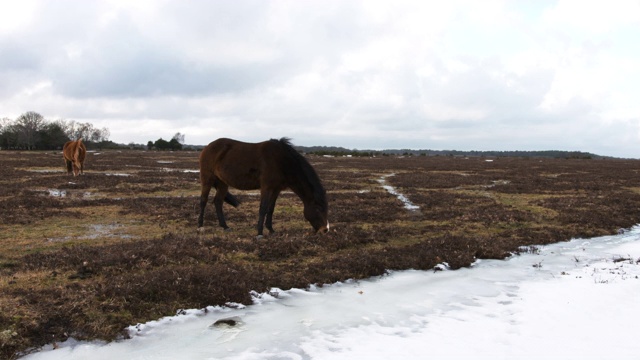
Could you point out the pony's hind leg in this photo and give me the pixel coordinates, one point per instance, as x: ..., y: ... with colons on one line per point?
x: 204, y: 197
x: 218, y: 200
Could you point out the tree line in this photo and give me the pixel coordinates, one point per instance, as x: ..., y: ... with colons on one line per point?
x: 161, y: 144
x: 340, y: 151
x: 31, y: 131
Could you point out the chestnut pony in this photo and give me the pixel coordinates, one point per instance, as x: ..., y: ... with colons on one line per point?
x: 73, y: 153
x: 270, y: 166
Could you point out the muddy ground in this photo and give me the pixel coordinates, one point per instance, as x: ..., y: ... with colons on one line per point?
x: 87, y: 256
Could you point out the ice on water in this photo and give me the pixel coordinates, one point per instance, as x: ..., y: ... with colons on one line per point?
x: 571, y: 300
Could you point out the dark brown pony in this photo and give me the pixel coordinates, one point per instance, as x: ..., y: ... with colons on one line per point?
x: 74, y: 153
x: 270, y: 166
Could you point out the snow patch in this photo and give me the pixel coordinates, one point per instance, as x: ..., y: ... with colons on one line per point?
x: 391, y: 190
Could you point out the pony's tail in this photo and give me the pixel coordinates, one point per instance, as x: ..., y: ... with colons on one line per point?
x: 76, y: 155
x: 231, y: 200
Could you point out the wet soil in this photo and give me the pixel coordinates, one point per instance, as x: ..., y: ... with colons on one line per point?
x: 87, y: 256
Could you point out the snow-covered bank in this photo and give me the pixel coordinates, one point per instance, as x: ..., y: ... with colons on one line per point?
x: 572, y: 300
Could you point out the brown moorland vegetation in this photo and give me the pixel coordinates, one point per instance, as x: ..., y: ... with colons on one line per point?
x: 87, y: 256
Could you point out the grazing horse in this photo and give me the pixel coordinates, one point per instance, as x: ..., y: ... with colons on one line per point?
x: 270, y: 166
x: 73, y: 153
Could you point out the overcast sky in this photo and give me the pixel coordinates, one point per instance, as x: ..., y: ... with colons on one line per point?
x: 463, y: 75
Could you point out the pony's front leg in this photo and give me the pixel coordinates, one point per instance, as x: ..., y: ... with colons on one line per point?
x: 272, y: 206
x: 264, y: 208
x: 69, y: 165
x: 269, y: 221
x: 267, y: 206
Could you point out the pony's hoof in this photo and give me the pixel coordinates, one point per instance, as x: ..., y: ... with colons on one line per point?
x: 201, y: 229
x: 228, y: 229
x: 259, y: 237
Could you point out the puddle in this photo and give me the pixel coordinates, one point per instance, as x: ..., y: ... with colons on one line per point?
x: 165, y: 161
x: 44, y: 171
x: 180, y: 170
x: 498, y: 182
x: 105, y: 230
x: 57, y: 193
x: 391, y: 190
x: 67, y: 193
x: 96, y: 231
x: 117, y: 174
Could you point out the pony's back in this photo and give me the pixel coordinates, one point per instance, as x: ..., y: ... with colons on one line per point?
x: 74, y: 153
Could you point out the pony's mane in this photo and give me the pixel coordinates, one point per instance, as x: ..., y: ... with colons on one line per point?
x: 306, y: 171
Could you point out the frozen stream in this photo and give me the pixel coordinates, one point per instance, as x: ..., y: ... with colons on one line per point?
x: 572, y: 300
x: 392, y: 190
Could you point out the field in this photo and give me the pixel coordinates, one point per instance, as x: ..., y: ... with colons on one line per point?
x: 86, y: 256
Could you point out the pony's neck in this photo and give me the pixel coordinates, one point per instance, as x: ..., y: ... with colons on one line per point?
x: 305, y: 192
x: 306, y: 184
x: 309, y: 189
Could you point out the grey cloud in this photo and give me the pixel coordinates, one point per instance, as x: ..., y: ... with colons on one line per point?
x: 305, y: 69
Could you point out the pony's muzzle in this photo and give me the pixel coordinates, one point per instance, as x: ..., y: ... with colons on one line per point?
x: 324, y: 229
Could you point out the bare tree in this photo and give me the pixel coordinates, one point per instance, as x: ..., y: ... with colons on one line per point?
x: 8, y: 138
x: 28, y: 125
x: 65, y: 126
x: 105, y: 134
x: 83, y: 131
x: 178, y: 137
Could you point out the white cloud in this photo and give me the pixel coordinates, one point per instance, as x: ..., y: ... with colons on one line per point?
x: 16, y: 15
x: 592, y: 17
x: 368, y: 74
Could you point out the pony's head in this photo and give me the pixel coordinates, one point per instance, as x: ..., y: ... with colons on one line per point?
x: 76, y: 168
x: 316, y: 215
x: 304, y: 181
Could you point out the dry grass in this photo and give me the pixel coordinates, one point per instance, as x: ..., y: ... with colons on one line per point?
x: 116, y: 250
